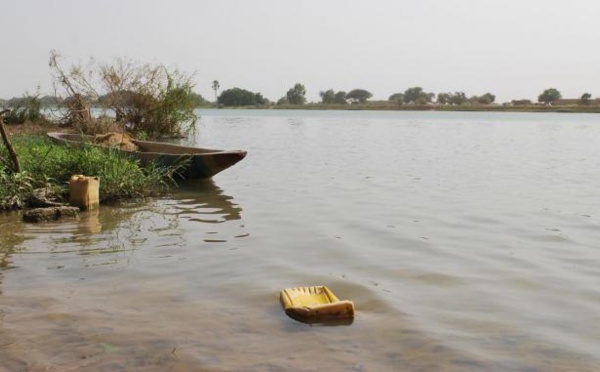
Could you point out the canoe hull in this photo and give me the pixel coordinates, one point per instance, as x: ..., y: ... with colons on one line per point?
x: 202, y: 162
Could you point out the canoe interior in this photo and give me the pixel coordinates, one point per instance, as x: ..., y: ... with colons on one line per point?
x: 143, y: 146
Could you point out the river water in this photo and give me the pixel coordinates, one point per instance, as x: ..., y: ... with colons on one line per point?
x: 467, y: 241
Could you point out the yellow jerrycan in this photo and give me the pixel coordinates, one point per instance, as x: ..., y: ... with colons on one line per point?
x: 85, y: 191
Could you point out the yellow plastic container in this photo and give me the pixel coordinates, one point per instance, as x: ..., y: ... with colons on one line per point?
x: 85, y: 191
x: 315, y: 304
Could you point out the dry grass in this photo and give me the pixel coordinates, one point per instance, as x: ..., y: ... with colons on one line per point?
x: 32, y: 128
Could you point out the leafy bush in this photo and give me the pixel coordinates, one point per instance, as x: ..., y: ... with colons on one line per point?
x: 296, y: 95
x: 240, y: 97
x: 149, y: 99
x: 15, y: 188
x: 26, y: 109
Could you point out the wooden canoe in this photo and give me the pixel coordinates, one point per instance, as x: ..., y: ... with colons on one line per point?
x: 203, y: 163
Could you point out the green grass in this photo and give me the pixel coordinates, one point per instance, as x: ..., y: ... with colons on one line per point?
x: 45, y: 164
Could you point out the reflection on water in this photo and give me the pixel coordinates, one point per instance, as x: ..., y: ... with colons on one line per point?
x: 89, y: 223
x: 78, y: 261
x: 203, y: 201
x: 11, y: 238
x: 127, y: 227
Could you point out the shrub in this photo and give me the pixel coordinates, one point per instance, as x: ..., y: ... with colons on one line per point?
x: 26, y: 109
x: 15, y: 188
x: 149, y: 99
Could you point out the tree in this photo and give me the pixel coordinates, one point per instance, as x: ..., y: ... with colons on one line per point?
x: 297, y: 94
x: 417, y: 95
x: 199, y: 100
x: 412, y: 94
x: 215, y: 87
x: 458, y: 98
x: 260, y: 100
x: 486, y: 99
x: 24, y: 109
x: 443, y: 98
x: 240, y: 97
x: 397, y: 98
x: 149, y: 99
x: 585, y: 99
x: 283, y: 101
x: 340, y: 98
x: 549, y: 96
x: 327, y: 97
x: 359, y: 95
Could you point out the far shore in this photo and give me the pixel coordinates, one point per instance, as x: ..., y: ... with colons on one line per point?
x: 386, y: 106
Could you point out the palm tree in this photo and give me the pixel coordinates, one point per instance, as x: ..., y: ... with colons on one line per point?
x: 215, y: 86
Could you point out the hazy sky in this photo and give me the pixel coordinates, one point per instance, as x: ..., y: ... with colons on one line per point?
x: 512, y: 48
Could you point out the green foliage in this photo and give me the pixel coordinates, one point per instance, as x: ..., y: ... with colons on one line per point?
x: 416, y: 95
x: 549, y: 96
x: 240, y: 97
x: 340, y: 98
x: 46, y: 164
x: 150, y: 99
x: 172, y: 114
x: 458, y: 98
x: 486, y: 99
x: 297, y: 95
x: 283, y: 101
x: 332, y: 97
x: 327, y: 97
x: 15, y: 189
x: 585, y: 99
x: 26, y: 109
x: 199, y: 101
x: 359, y: 95
x: 443, y: 98
x: 260, y: 100
x: 398, y: 98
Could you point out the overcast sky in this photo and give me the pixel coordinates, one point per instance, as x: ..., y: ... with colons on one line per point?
x: 511, y: 48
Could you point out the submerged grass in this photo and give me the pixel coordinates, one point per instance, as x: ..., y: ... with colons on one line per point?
x: 45, y: 164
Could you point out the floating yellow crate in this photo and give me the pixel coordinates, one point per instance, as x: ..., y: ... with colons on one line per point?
x: 315, y: 304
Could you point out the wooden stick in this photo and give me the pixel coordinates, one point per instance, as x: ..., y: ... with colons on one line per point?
x: 8, y: 144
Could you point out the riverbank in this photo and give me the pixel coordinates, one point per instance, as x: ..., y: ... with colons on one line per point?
x: 389, y: 106
x: 44, y: 165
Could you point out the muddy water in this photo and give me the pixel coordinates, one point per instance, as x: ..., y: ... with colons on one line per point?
x: 467, y: 241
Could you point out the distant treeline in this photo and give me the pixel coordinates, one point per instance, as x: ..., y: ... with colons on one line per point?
x: 412, y: 98
x: 52, y: 101
x: 24, y: 101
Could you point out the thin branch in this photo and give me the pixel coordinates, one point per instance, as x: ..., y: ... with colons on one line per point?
x: 6, y: 138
